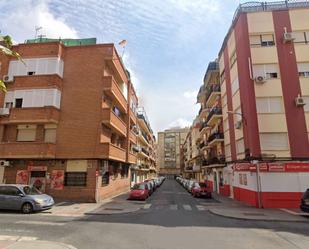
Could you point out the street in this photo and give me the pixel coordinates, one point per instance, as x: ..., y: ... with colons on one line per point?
x: 170, y: 218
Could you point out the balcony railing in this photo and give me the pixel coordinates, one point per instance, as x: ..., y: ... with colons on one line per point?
x: 217, y: 135
x: 204, y: 124
x: 214, y: 111
x: 213, y: 160
x: 212, y: 88
x: 112, y: 120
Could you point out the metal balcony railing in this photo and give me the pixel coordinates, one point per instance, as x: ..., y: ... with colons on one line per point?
x: 212, y: 88
x: 214, y: 111
x: 217, y: 135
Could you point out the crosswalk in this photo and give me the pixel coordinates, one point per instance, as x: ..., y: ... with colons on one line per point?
x: 175, y: 207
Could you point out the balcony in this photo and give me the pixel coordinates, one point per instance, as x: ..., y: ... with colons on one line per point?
x: 110, y: 119
x: 111, y: 151
x: 132, y: 158
x: 214, y: 115
x: 27, y: 150
x: 133, y: 117
x: 204, y: 128
x: 213, y: 92
x: 143, y: 138
x: 215, y: 138
x: 112, y: 89
x: 133, y: 137
x: 47, y: 114
x: 36, y: 81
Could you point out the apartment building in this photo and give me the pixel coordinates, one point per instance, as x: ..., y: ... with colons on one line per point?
x: 211, y: 137
x: 264, y: 77
x: 170, y: 143
x: 191, y: 153
x: 145, y: 148
x: 67, y: 118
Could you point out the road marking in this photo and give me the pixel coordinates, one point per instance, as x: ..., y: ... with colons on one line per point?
x: 201, y: 208
x: 187, y: 207
x: 17, y: 238
x: 147, y: 206
x: 40, y: 223
x: 174, y: 207
x: 294, y: 213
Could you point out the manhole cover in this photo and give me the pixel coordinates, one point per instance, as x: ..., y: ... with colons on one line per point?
x: 113, y: 209
x: 254, y: 214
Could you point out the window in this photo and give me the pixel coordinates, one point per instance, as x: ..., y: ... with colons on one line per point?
x: 301, y: 37
x: 50, y: 135
x: 18, y: 103
x: 233, y: 59
x: 274, y: 141
x: 269, y: 105
x: 265, y: 40
x: 306, y: 106
x: 8, y: 190
x: 235, y: 86
x: 8, y: 104
x: 31, y: 73
x: 269, y: 71
x: 303, y: 69
x: 75, y: 179
x: 240, y: 146
x: 26, y: 133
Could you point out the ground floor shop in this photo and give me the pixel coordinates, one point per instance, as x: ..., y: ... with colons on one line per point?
x: 75, y: 180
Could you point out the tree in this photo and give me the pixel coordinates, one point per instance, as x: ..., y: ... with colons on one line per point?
x: 5, y: 48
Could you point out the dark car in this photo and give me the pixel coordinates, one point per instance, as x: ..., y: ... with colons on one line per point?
x: 304, y: 206
x: 23, y: 197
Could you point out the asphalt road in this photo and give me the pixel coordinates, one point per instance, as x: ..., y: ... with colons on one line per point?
x: 171, y: 219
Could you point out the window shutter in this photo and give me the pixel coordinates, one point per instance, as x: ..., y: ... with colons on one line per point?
x: 258, y: 70
x: 275, y: 105
x: 271, y: 68
x: 299, y: 36
x: 50, y: 135
x: 274, y: 141
x: 303, y: 67
x: 306, y: 106
x: 26, y: 133
x: 255, y: 40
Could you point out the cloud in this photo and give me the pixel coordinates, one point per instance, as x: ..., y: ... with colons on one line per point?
x: 190, y: 94
x: 29, y: 14
x: 180, y: 122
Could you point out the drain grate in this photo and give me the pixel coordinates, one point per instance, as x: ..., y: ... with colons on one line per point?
x: 254, y: 214
x: 113, y: 209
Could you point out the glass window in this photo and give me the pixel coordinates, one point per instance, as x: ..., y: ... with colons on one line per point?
x: 269, y: 105
x: 303, y: 69
x: 267, y: 40
x: 9, y: 190
x: 75, y: 179
x: 18, y: 103
x: 139, y: 187
x: 274, y: 141
x: 266, y: 70
x: 31, y: 191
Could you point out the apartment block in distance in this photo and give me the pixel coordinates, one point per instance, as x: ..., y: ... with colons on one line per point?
x: 264, y: 76
x: 169, y: 148
x: 66, y: 119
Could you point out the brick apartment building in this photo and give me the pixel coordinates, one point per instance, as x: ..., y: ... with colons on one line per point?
x: 67, y: 120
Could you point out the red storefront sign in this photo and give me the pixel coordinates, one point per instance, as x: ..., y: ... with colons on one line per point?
x: 37, y: 168
x: 276, y: 167
x: 297, y: 167
x: 242, y: 166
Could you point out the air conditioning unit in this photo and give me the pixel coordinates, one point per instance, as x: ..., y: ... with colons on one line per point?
x: 4, y: 111
x: 4, y: 163
x: 238, y: 125
x: 299, y: 101
x: 260, y: 79
x: 7, y: 78
x: 288, y: 37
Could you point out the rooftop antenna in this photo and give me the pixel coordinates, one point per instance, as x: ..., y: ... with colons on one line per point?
x: 37, y: 28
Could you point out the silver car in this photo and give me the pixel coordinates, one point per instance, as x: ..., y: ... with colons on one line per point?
x: 23, y: 197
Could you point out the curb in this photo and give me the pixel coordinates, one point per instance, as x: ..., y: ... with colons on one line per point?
x: 254, y: 219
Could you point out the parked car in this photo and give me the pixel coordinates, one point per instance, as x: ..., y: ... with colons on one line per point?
x: 139, y: 191
x: 150, y: 187
x: 24, y: 197
x: 304, y: 206
x: 190, y: 185
x: 201, y: 189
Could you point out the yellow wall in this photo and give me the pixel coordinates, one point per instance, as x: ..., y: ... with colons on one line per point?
x: 231, y: 43
x: 238, y: 133
x: 233, y: 72
x: 272, y: 122
x: 304, y: 86
x: 299, y: 19
x: 223, y: 89
x: 264, y: 55
x: 302, y: 52
x: 271, y: 88
x: 260, y: 22
x: 236, y: 100
x: 307, y: 120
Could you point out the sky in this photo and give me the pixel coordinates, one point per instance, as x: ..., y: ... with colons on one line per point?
x: 170, y: 42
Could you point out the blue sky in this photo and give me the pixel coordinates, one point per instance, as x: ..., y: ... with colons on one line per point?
x: 170, y: 42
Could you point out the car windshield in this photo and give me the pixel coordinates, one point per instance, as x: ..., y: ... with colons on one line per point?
x: 139, y: 186
x: 31, y: 191
x: 203, y: 185
x: 197, y: 185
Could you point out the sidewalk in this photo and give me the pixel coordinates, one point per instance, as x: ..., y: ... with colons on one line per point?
x: 18, y: 242
x: 234, y: 209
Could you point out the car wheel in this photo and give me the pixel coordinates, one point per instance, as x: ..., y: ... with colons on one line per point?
x: 27, y: 208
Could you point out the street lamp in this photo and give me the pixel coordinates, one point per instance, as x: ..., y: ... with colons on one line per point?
x: 240, y: 114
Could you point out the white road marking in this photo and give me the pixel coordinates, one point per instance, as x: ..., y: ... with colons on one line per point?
x: 17, y: 238
x: 201, y: 208
x: 147, y: 206
x: 40, y: 223
x: 187, y: 207
x: 174, y: 207
x: 294, y: 213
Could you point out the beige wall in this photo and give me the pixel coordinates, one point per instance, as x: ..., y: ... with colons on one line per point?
x: 260, y: 22
x: 299, y: 19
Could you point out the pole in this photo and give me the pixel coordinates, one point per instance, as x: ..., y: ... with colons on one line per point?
x: 258, y: 184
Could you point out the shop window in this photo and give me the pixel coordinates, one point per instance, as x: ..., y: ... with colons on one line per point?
x: 75, y: 179
x: 104, y: 172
